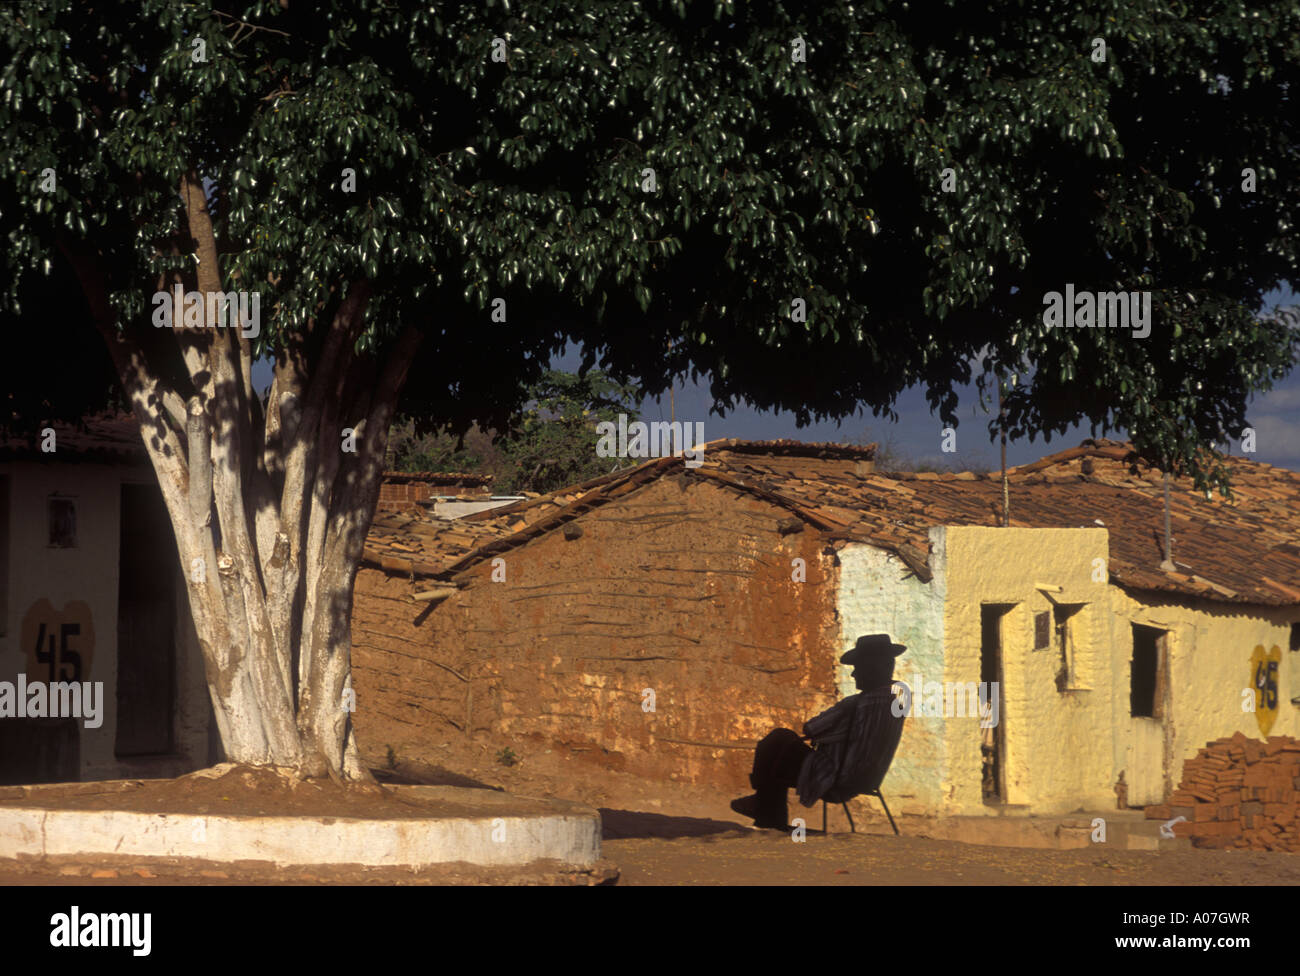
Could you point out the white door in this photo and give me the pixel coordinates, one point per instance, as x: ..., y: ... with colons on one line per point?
x: 1145, y: 772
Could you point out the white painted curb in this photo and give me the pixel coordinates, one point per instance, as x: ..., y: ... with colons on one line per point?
x: 571, y: 835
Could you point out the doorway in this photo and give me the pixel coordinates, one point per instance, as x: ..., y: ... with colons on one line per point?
x: 146, y: 638
x: 993, y: 751
x: 1148, y: 689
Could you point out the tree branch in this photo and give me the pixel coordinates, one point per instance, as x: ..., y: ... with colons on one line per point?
x: 147, y: 394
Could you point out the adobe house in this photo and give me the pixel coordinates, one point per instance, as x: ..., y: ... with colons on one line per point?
x: 90, y: 591
x: 661, y: 619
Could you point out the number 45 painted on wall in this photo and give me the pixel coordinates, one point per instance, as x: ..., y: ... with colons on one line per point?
x: 59, y: 645
x: 1263, y: 671
x: 64, y: 658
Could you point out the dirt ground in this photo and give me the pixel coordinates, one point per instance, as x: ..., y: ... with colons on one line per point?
x: 769, y: 858
x: 654, y: 834
x: 243, y: 791
x: 682, y: 834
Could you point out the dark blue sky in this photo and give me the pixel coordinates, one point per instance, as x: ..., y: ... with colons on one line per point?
x: 916, y: 435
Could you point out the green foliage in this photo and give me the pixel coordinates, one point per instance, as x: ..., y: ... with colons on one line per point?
x: 553, y: 443
x: 507, y: 757
x: 475, y: 452
x: 548, y: 444
x: 776, y: 180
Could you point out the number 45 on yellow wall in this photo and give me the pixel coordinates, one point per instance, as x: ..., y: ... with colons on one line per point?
x: 1263, y: 678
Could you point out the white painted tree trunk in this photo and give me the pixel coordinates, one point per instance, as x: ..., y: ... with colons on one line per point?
x: 270, y: 513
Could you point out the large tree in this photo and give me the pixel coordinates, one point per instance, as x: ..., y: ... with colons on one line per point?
x: 450, y: 193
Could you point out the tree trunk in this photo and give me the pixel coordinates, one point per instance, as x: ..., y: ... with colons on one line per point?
x: 270, y: 512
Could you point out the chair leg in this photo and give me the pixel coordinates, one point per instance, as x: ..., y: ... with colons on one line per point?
x: 823, y: 816
x: 881, y: 797
x: 852, y: 826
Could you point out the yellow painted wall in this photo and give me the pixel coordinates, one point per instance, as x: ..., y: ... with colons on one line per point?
x: 1210, y: 673
x: 1057, y: 745
x: 1064, y: 750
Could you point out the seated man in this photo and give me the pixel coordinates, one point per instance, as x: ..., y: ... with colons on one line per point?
x: 782, y: 760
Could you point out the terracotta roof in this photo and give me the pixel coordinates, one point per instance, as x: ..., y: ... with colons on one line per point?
x: 1248, y: 546
x: 1247, y: 551
x: 108, y: 438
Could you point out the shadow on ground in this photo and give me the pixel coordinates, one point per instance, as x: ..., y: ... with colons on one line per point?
x: 627, y: 824
x: 423, y: 774
x: 616, y: 824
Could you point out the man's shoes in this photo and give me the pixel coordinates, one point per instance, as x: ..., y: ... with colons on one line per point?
x: 746, y: 806
x: 749, y: 806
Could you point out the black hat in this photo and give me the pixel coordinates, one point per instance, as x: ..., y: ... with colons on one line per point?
x: 872, y: 646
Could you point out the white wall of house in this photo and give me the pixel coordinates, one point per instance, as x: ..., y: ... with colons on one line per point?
x: 87, y: 575
x: 879, y: 595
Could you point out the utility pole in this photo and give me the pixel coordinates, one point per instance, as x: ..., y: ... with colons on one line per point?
x: 672, y: 388
x: 1168, y: 564
x: 1002, y: 431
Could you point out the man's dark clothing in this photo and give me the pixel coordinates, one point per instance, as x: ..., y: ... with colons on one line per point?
x: 778, y: 759
x: 847, y: 737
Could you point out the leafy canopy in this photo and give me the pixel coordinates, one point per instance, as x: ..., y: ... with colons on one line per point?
x: 775, y: 179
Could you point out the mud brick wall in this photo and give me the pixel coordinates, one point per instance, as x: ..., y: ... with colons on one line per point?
x: 683, y: 587
x: 1239, y: 793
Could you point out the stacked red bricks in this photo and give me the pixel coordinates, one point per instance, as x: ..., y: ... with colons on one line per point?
x: 1239, y: 793
x: 399, y: 496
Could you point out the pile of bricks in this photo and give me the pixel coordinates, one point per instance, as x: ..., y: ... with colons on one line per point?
x: 1239, y: 793
x: 399, y: 491
x: 400, y: 496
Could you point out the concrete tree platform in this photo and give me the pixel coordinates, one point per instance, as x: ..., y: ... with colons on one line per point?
x: 444, y: 825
